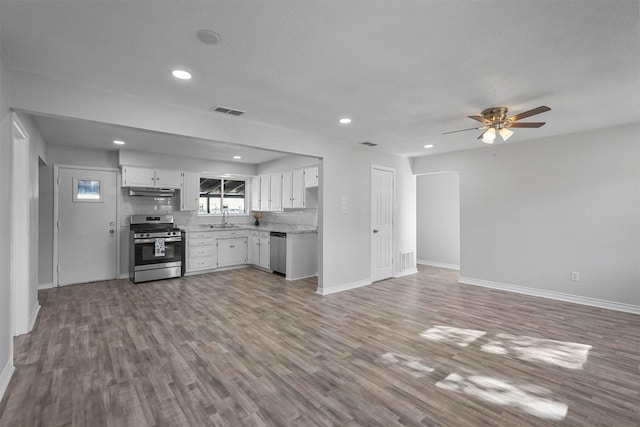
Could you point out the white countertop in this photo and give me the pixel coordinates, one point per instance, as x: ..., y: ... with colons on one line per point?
x: 282, y: 228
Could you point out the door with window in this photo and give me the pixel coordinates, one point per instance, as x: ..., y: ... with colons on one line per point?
x: 86, y: 226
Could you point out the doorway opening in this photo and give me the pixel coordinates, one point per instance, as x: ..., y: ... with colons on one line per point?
x: 438, y: 220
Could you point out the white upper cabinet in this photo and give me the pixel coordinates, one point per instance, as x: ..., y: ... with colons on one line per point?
x: 265, y: 186
x: 190, y: 192
x: 311, y: 177
x: 169, y: 179
x: 269, y: 191
x: 275, y: 191
x: 154, y: 178
x: 138, y: 177
x: 297, y: 189
x: 287, y: 196
x: 255, y: 193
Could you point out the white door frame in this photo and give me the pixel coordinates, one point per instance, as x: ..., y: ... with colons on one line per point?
x: 19, y: 270
x: 56, y: 239
x: 393, y: 217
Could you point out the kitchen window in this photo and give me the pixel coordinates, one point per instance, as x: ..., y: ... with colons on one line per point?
x: 218, y: 192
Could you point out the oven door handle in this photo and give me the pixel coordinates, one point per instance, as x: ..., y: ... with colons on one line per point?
x: 153, y: 240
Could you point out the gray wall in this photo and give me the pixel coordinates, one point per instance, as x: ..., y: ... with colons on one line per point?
x: 438, y: 217
x: 60, y: 155
x: 5, y: 218
x: 533, y: 211
x: 37, y: 153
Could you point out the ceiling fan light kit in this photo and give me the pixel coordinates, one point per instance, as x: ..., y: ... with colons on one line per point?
x: 495, y: 120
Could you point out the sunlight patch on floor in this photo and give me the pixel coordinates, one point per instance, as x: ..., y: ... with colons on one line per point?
x: 413, y: 365
x: 528, y: 398
x: 449, y: 334
x: 559, y: 353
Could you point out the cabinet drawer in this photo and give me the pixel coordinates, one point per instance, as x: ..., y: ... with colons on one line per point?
x: 260, y: 234
x: 200, y: 242
x: 200, y: 234
x: 200, y: 251
x: 199, y: 263
x: 234, y: 233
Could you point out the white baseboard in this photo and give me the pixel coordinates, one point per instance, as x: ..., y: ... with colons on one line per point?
x: 343, y: 287
x: 123, y: 276
x: 6, y: 374
x: 42, y: 286
x: 405, y: 273
x: 34, y: 315
x: 301, y: 277
x: 577, y: 299
x: 438, y: 264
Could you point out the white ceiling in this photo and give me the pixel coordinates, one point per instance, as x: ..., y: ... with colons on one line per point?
x: 83, y: 133
x: 403, y: 71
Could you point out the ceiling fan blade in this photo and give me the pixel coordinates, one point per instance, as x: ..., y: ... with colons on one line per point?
x: 529, y: 113
x: 526, y: 125
x: 463, y: 130
x: 480, y: 119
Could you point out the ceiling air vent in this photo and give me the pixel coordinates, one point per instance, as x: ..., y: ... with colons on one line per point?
x: 226, y: 110
x: 368, y: 144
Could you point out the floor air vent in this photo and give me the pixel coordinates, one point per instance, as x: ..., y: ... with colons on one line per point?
x: 407, y: 260
x: 226, y: 110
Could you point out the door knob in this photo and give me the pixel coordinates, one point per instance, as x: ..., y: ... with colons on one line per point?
x: 375, y: 231
x: 112, y: 231
x: 112, y: 223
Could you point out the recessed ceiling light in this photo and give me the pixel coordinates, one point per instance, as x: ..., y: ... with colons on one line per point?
x: 118, y: 142
x: 428, y: 146
x: 237, y: 157
x: 209, y: 37
x: 181, y: 74
x: 345, y: 120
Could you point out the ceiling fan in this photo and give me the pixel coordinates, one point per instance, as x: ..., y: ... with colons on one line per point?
x: 495, y: 121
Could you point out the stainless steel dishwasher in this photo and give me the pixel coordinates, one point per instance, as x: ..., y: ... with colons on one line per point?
x: 279, y: 252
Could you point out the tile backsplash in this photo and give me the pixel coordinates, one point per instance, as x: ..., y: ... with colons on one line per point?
x: 138, y: 205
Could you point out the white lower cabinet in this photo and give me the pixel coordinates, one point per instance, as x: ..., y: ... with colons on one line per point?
x: 259, y: 249
x: 232, y: 251
x: 201, y: 251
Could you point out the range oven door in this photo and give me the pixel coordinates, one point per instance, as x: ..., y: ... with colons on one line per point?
x: 149, y: 264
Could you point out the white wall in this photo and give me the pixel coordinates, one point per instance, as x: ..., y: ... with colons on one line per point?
x: 532, y: 212
x: 37, y: 152
x: 345, y: 238
x: 170, y: 162
x: 61, y: 155
x: 438, y: 223
x: 6, y: 338
x: 285, y: 164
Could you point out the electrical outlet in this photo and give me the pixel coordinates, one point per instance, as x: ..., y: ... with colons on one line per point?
x: 575, y: 276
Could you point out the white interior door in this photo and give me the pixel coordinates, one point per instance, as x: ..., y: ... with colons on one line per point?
x: 381, y: 223
x: 87, y: 237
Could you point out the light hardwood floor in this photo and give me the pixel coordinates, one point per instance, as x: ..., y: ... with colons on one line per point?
x: 246, y: 348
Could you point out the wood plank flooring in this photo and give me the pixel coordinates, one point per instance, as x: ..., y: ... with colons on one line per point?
x: 246, y: 348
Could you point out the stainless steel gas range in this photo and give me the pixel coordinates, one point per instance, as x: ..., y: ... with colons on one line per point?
x: 155, y: 248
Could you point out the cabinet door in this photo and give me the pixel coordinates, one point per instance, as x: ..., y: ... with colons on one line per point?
x: 168, y: 179
x: 297, y: 188
x: 224, y: 252
x: 254, y: 250
x: 276, y: 192
x: 287, y: 196
x: 265, y: 186
x: 311, y: 177
x: 265, y: 253
x: 137, y: 177
x: 239, y: 251
x: 232, y: 251
x: 255, y: 193
x: 190, y: 192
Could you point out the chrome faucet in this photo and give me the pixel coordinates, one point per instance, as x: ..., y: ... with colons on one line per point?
x: 225, y: 215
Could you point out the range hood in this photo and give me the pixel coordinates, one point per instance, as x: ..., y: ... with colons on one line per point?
x: 152, y: 192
